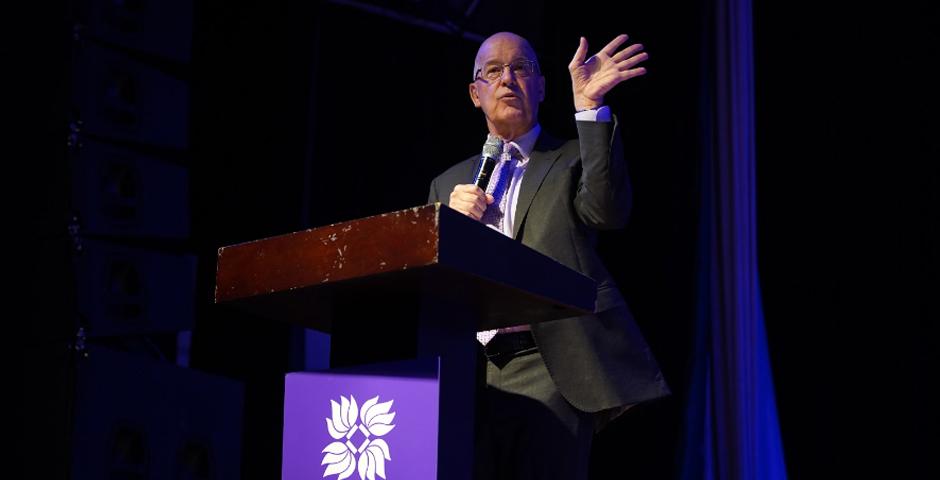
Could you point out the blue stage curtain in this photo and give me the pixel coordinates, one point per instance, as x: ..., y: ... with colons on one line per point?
x: 732, y: 430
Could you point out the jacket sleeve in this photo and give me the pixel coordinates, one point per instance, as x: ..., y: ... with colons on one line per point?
x: 433, y: 195
x: 604, y: 197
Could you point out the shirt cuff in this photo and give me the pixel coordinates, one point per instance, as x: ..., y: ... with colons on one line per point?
x: 600, y: 114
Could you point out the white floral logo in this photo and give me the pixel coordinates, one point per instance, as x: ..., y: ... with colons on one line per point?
x: 350, y: 424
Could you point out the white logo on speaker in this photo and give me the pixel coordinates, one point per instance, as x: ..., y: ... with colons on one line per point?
x: 356, y: 432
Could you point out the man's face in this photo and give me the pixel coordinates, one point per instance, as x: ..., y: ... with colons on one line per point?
x: 511, y: 101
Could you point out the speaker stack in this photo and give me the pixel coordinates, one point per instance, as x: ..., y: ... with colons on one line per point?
x: 131, y: 408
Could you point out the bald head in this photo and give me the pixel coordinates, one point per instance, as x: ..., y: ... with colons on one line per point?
x: 502, y: 39
x: 512, y: 88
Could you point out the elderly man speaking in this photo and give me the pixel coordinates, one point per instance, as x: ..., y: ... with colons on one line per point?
x: 551, y: 385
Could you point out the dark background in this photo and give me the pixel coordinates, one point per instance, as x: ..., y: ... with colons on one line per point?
x: 847, y: 137
x: 292, y: 102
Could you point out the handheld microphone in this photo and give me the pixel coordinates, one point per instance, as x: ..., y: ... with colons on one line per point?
x: 488, y: 160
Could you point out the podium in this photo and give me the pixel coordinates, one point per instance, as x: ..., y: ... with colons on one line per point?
x: 401, y: 295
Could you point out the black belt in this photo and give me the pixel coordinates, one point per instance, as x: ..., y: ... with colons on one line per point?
x: 508, y: 345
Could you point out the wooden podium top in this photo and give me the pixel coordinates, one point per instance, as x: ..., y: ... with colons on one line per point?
x: 427, y: 250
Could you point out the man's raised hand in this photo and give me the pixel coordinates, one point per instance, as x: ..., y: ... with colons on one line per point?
x: 592, y: 78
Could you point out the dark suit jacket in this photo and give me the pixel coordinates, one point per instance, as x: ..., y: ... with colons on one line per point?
x: 571, y: 190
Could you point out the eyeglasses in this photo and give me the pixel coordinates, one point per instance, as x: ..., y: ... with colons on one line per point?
x: 520, y: 68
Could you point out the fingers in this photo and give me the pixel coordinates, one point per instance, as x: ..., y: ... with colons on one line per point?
x: 468, y: 188
x: 629, y: 58
x: 633, y: 72
x: 628, y: 52
x: 470, y: 200
x: 631, y: 54
x: 614, y: 44
x: 632, y: 62
x: 580, y: 54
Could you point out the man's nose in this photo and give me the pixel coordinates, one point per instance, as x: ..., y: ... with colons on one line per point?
x: 507, y: 76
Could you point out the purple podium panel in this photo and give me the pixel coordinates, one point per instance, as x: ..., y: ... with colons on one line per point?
x: 368, y: 423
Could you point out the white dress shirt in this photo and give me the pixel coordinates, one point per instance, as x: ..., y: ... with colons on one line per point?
x: 524, y: 144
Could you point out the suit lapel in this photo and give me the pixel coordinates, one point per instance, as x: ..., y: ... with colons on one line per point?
x: 541, y: 159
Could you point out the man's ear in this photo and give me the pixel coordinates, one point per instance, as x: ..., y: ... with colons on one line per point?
x: 474, y: 95
x: 541, y: 88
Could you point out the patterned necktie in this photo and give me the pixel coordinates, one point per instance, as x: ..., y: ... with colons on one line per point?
x: 495, y: 213
x: 498, y: 187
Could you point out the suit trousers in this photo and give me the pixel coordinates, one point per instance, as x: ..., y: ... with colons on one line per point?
x: 526, y: 429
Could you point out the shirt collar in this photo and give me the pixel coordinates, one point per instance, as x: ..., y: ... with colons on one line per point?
x: 526, y: 142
